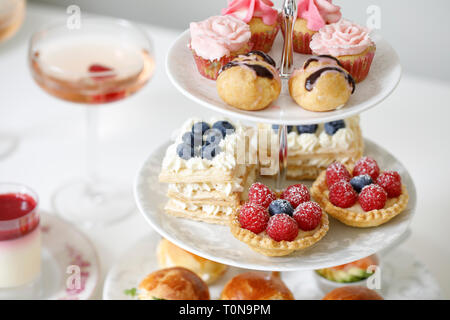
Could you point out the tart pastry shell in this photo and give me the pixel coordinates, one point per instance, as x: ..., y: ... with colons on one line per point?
x: 353, y: 218
x: 263, y: 244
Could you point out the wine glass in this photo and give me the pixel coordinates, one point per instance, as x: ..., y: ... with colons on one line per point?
x: 12, y: 13
x: 102, y: 61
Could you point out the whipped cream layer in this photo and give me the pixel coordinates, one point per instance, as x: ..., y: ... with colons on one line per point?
x: 191, y: 189
x: 320, y: 142
x: 211, y: 210
x: 230, y: 157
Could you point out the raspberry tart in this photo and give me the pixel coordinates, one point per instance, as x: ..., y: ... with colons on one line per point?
x: 362, y: 197
x: 279, y: 224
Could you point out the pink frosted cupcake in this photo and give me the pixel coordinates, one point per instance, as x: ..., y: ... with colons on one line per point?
x: 349, y: 43
x: 260, y: 16
x: 312, y: 15
x: 216, y: 41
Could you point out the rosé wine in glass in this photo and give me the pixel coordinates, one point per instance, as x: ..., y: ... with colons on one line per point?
x: 103, y: 61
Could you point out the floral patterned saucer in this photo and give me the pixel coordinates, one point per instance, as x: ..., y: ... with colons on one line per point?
x: 70, y: 265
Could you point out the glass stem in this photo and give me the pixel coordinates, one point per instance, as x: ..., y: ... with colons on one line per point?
x: 91, y: 144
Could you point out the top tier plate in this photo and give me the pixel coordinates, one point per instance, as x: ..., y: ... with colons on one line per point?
x: 383, y: 77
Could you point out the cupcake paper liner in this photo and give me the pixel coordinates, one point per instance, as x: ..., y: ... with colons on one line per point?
x: 210, y: 69
x: 359, y: 68
x: 300, y: 40
x: 263, y: 41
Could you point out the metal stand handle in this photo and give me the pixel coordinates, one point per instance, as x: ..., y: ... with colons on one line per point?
x: 289, y: 12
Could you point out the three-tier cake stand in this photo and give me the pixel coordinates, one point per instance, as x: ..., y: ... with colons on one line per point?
x: 342, y: 244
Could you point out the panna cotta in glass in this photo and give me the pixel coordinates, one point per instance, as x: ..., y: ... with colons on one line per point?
x: 20, y: 238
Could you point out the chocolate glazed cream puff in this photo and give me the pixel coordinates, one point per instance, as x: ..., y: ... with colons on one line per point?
x: 249, y: 82
x: 322, y: 84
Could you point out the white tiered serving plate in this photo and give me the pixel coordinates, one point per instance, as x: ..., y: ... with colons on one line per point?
x: 342, y: 244
x: 383, y: 77
x: 403, y: 276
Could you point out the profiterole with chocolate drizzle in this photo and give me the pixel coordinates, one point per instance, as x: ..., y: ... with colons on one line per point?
x: 249, y: 82
x: 322, y: 84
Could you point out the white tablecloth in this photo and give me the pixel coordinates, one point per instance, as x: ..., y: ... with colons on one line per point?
x: 413, y: 124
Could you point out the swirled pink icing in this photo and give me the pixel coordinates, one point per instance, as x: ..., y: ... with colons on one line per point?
x: 218, y: 36
x: 247, y: 9
x: 341, y: 39
x: 318, y: 13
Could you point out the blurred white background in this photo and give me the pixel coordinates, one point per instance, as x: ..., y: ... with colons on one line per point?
x: 417, y: 29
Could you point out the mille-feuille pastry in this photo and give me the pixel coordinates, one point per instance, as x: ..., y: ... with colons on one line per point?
x: 173, y: 284
x: 208, y: 168
x: 249, y: 82
x: 170, y: 255
x: 312, y: 148
x: 279, y: 225
x: 322, y: 84
x: 256, y: 286
x: 365, y: 198
x: 353, y: 293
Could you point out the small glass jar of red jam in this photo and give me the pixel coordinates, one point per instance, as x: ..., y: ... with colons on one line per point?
x: 20, y: 238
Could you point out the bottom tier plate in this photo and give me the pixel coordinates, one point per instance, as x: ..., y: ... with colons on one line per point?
x: 342, y: 244
x: 403, y: 276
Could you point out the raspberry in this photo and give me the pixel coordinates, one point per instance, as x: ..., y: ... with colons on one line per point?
x: 336, y: 172
x: 342, y: 194
x: 282, y: 227
x: 391, y: 182
x: 98, y: 68
x: 260, y: 194
x: 308, y: 215
x: 372, y: 197
x: 296, y: 194
x: 366, y: 165
x: 253, y: 217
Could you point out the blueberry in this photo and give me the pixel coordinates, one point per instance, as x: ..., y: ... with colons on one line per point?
x: 209, y: 151
x: 185, y: 151
x: 333, y: 126
x: 276, y: 126
x: 199, y: 128
x: 213, y: 136
x: 281, y: 206
x: 224, y: 127
x: 192, y: 139
x: 309, y: 128
x: 360, y: 182
x: 188, y: 138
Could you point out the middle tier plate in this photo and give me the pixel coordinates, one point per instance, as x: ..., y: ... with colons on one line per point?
x: 342, y: 244
x: 384, y: 76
